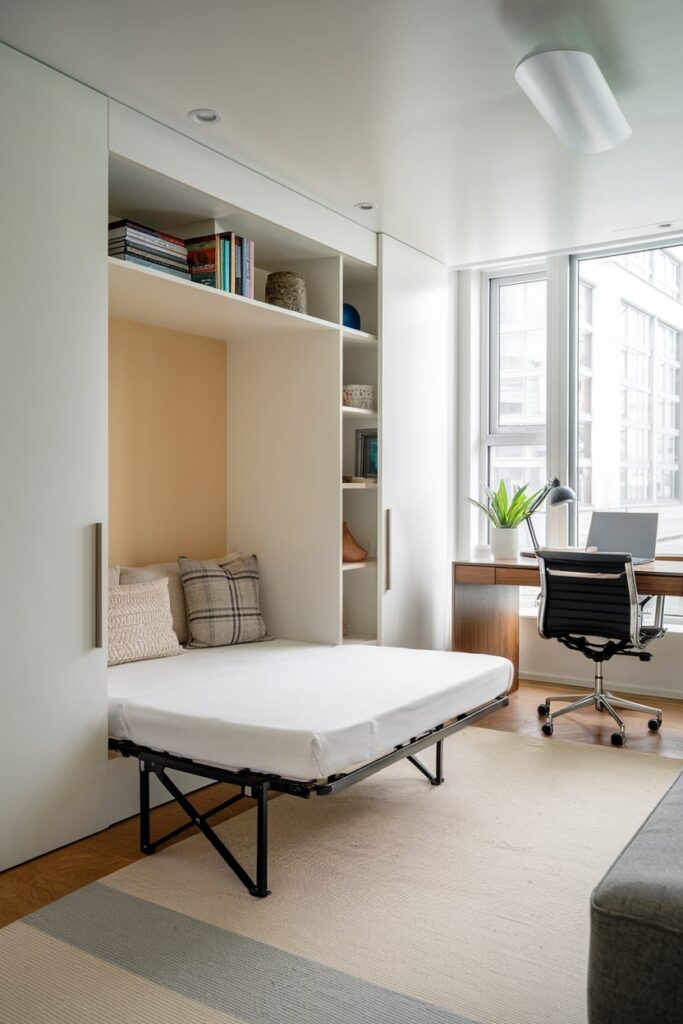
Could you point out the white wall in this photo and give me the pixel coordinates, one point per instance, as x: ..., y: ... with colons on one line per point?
x: 549, y: 661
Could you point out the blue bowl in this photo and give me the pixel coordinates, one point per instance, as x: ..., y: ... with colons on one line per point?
x: 350, y: 317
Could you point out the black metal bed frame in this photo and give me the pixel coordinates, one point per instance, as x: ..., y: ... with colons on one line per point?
x: 258, y: 785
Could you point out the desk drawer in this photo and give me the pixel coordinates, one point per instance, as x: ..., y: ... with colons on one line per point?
x: 671, y: 586
x: 475, y: 574
x: 518, y: 577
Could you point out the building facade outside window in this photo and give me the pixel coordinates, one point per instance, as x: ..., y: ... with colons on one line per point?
x: 630, y: 321
x: 626, y: 392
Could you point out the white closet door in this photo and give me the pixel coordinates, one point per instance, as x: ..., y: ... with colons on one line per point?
x: 53, y: 456
x: 415, y: 446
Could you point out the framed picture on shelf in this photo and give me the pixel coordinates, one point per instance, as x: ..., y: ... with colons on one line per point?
x: 367, y: 454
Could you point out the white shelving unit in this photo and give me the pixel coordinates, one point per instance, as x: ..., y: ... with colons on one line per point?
x: 152, y: 297
x: 290, y: 367
x: 361, y: 501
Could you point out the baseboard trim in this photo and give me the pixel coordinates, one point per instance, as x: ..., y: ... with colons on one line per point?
x: 571, y: 683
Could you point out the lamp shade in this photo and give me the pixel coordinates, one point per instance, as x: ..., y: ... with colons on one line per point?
x: 570, y: 92
x: 561, y: 495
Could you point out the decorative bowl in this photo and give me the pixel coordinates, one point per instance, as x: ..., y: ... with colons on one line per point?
x: 359, y: 396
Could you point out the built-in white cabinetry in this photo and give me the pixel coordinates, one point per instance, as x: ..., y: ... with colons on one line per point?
x: 415, y: 447
x: 53, y: 454
x: 290, y: 440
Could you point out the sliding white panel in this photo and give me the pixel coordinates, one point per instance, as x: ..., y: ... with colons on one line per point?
x: 53, y: 456
x: 415, y: 448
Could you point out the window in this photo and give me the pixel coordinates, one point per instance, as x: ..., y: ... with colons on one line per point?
x: 628, y: 390
x: 515, y: 406
x: 660, y: 267
x: 620, y: 443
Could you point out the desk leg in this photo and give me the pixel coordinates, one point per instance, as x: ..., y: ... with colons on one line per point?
x: 486, y: 621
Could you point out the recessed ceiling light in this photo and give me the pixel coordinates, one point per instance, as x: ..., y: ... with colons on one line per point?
x: 366, y: 206
x: 204, y: 115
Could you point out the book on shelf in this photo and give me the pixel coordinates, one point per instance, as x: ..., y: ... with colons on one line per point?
x: 224, y: 261
x: 128, y: 230
x: 143, y: 246
x: 127, y: 258
x: 145, y: 252
x: 202, y: 259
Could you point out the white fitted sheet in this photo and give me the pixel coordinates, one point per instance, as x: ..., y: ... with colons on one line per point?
x: 303, y: 711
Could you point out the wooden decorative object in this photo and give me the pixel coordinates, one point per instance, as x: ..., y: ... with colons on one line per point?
x: 351, y: 549
x: 287, y: 289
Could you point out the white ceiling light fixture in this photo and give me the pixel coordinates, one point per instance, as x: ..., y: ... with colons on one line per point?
x: 570, y: 92
x: 204, y: 115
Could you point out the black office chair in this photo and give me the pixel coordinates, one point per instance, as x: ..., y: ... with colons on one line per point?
x: 589, y: 602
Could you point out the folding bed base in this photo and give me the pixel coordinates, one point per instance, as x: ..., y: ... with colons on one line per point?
x: 257, y: 785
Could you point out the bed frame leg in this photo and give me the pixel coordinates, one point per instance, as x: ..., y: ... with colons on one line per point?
x: 145, y: 845
x: 435, y: 778
x: 261, y: 888
x: 438, y: 779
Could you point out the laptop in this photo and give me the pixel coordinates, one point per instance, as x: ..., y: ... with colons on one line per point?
x: 625, y: 531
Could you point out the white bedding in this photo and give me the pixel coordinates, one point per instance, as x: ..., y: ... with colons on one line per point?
x: 303, y: 711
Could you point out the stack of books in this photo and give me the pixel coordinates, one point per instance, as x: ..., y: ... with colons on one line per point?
x: 224, y: 261
x: 146, y: 247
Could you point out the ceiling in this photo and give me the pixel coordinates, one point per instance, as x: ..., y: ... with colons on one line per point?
x: 411, y: 105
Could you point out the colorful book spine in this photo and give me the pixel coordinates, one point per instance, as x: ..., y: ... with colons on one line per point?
x: 131, y: 225
x: 150, y: 265
x: 144, y: 251
x: 201, y: 259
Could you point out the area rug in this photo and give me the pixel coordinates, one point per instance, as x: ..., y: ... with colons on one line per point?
x: 393, y: 903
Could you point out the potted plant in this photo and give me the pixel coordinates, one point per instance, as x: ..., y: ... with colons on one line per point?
x: 506, y: 514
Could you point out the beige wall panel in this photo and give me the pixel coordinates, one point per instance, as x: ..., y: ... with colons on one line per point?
x: 167, y: 444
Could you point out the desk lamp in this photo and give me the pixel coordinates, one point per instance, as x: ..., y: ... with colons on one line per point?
x: 556, y: 494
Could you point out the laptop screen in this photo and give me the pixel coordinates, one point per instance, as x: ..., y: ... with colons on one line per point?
x: 635, y: 532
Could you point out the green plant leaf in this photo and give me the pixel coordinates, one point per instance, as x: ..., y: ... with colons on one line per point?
x: 505, y: 511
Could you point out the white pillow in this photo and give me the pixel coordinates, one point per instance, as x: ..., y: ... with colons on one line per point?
x: 140, y: 623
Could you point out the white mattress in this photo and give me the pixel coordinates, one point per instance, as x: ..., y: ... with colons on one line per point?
x: 302, y: 711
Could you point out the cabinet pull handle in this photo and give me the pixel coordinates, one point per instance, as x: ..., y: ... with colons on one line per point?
x: 99, y: 609
x: 387, y: 549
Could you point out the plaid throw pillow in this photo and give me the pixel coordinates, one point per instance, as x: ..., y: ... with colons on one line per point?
x: 223, y: 602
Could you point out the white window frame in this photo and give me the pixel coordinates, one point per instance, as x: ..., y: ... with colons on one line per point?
x: 490, y: 435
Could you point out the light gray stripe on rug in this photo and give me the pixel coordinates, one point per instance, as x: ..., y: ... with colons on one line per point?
x: 257, y: 983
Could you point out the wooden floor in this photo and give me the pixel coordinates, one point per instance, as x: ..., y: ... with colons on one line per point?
x: 32, y: 885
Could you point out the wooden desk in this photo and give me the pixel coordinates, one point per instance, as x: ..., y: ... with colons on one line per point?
x: 486, y: 601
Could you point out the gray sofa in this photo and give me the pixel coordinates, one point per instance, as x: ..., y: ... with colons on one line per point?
x: 635, y: 973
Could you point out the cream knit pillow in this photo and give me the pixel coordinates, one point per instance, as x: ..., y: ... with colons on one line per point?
x: 140, y: 623
x: 169, y: 570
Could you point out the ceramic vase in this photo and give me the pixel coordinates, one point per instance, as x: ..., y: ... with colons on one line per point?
x: 287, y: 289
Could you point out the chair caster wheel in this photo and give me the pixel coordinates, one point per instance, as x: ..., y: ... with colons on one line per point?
x: 543, y: 709
x: 654, y: 725
x: 599, y: 708
x: 547, y: 729
x: 617, y: 739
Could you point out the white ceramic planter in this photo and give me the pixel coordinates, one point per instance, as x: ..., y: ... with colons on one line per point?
x: 505, y: 543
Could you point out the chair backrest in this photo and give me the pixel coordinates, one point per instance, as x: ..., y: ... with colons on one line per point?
x: 588, y: 594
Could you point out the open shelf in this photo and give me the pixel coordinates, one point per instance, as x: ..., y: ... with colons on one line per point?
x: 369, y: 485
x: 370, y: 563
x: 359, y: 638
x: 359, y: 338
x: 152, y: 297
x: 365, y: 414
